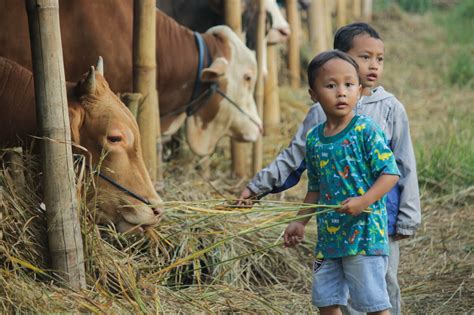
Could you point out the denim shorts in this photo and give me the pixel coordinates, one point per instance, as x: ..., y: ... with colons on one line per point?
x: 361, y: 277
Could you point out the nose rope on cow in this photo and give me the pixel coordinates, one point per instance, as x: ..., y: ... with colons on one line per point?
x: 79, y: 157
x: 202, y: 98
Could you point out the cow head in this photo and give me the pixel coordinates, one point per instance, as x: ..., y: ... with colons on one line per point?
x: 102, y: 125
x: 280, y: 29
x: 236, y: 76
x: 277, y: 29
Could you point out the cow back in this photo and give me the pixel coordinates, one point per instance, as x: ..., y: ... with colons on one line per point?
x: 89, y: 29
x: 17, y: 104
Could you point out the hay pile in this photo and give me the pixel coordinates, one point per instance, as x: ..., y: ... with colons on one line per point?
x: 205, y: 256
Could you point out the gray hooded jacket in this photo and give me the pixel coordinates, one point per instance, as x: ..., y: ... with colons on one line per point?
x: 403, y: 202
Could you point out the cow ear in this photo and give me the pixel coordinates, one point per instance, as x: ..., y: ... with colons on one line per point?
x: 217, y: 69
x: 76, y: 117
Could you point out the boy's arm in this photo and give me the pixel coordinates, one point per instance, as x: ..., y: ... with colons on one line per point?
x: 286, y: 170
x: 383, y: 167
x: 355, y: 205
x: 294, y: 232
x: 409, y: 215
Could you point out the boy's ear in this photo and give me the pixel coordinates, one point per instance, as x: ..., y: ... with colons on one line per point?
x: 313, y: 96
x: 360, y: 90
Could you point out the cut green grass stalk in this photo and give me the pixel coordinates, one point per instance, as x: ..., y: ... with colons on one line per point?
x: 201, y: 252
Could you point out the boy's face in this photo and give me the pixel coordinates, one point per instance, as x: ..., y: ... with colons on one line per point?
x: 336, y: 88
x: 368, y: 52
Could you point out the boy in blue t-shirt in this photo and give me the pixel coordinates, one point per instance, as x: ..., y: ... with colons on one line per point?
x: 349, y: 164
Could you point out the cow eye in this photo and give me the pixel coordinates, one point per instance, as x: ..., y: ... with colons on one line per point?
x: 247, y: 78
x: 114, y: 139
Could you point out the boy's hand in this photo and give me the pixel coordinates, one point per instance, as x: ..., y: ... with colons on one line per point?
x: 245, y: 198
x: 353, y: 206
x: 294, y: 234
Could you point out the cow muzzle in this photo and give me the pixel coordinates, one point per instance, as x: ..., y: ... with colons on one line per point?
x: 134, y: 218
x: 278, y: 35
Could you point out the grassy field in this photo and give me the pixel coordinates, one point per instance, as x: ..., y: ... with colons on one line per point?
x: 233, y: 262
x: 428, y: 68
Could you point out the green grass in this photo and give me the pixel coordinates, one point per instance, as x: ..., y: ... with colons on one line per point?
x: 447, y: 156
x: 461, y: 70
x: 415, y: 6
x: 459, y: 23
x: 412, y: 6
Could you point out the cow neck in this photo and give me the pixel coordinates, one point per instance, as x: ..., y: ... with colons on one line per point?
x: 177, y: 76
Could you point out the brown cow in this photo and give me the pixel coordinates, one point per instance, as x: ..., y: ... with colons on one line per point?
x: 92, y: 28
x: 100, y: 123
x: 199, y: 15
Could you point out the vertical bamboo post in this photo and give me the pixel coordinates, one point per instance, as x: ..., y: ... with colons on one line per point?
x: 132, y: 101
x: 259, y: 89
x: 367, y: 10
x: 271, y: 104
x: 239, y: 150
x: 233, y: 15
x: 144, y: 82
x: 317, y: 29
x: 64, y: 229
x: 330, y: 7
x: 294, y: 42
x: 341, y: 18
x: 356, y: 9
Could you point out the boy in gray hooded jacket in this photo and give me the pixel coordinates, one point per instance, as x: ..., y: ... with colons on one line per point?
x: 364, y: 44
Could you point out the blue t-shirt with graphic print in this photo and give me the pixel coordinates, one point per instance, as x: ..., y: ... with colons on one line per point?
x: 347, y: 165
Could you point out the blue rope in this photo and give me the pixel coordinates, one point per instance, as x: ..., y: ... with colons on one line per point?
x: 197, y: 86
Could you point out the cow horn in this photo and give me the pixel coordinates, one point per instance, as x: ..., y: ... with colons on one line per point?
x: 89, y: 83
x: 100, y: 66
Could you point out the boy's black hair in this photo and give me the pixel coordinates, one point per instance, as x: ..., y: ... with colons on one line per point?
x: 324, y: 57
x: 345, y: 35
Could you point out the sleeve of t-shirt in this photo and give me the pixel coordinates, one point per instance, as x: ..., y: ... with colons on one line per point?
x: 381, y: 158
x: 311, y: 162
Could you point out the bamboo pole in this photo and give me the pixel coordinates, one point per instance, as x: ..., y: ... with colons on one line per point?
x: 341, y: 18
x: 233, y: 15
x: 144, y: 82
x: 317, y: 29
x: 259, y: 89
x: 367, y: 10
x: 239, y: 150
x: 356, y: 9
x: 294, y: 42
x: 271, y: 105
x: 64, y: 229
x: 330, y: 6
x: 132, y: 101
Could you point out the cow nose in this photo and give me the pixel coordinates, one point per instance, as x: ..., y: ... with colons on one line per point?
x: 157, y: 211
x: 285, y: 32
